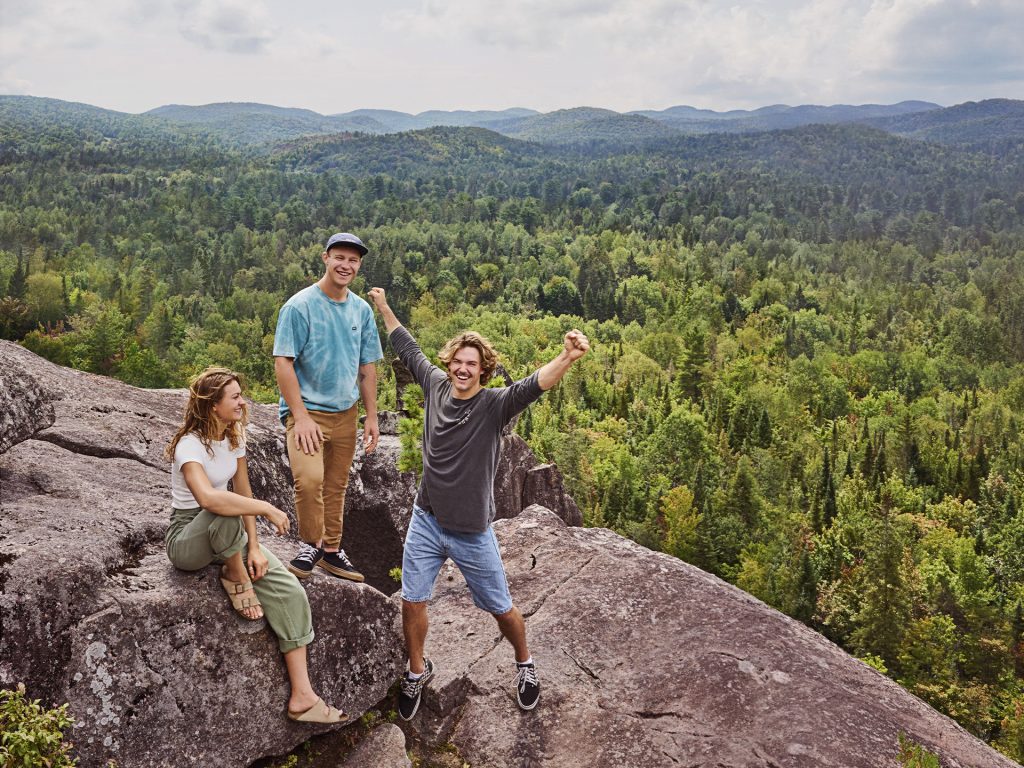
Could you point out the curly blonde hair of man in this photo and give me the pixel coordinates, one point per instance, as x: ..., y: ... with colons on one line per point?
x: 204, y: 392
x: 488, y: 356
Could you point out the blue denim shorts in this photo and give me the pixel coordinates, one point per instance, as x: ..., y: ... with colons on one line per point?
x: 428, y: 545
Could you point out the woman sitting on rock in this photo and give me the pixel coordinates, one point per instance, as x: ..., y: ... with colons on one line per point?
x: 210, y: 524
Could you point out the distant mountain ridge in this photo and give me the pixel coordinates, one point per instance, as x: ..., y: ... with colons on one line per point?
x: 984, y: 125
x: 974, y: 123
x: 779, y: 116
x: 282, y: 123
x: 557, y: 127
x: 393, y: 121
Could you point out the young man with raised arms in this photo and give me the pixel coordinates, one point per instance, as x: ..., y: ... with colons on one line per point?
x: 325, y: 350
x: 454, y: 504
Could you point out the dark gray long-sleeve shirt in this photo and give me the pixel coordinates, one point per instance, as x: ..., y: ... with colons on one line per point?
x: 461, y: 439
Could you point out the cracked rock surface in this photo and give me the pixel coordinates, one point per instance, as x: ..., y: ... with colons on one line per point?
x: 647, y: 661
x: 156, y: 667
x: 383, y: 747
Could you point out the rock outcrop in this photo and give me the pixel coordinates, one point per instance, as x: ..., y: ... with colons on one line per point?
x: 155, y: 666
x: 647, y: 661
x: 383, y: 747
x: 520, y: 481
x: 644, y: 660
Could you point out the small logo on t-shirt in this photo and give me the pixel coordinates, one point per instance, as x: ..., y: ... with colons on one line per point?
x: 354, y: 328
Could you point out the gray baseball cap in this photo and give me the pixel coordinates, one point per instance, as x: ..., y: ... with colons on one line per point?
x: 346, y: 238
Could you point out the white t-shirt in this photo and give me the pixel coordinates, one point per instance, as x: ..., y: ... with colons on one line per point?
x: 220, y: 467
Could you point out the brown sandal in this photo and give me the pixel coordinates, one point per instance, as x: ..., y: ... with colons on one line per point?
x: 318, y: 713
x: 235, y: 590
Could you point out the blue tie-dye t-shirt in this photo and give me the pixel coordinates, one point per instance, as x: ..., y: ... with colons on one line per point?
x: 328, y: 341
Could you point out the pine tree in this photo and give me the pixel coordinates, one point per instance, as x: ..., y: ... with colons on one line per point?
x: 1017, y: 640
x: 867, y: 464
x: 826, y: 471
x: 64, y: 295
x: 829, y: 506
x: 764, y: 429
x: 886, y: 607
x: 881, y: 465
x: 816, y: 521
x: 16, y: 289
x: 806, y: 591
x: 526, y: 424
x: 743, y: 497
x: 981, y: 461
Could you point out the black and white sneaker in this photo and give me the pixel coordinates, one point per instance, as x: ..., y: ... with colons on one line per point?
x: 303, y: 563
x: 338, y: 564
x: 411, y: 691
x: 527, y: 687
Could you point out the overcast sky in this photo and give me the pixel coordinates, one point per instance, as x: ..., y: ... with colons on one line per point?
x: 411, y: 55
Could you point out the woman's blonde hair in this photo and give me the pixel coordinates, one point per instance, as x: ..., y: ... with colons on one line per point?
x: 204, y: 392
x: 488, y: 356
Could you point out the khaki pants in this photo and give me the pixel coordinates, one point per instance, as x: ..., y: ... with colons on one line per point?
x: 322, y: 478
x: 196, y: 538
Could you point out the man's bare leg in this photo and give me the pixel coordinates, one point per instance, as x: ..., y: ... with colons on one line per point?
x: 513, y: 627
x: 414, y: 627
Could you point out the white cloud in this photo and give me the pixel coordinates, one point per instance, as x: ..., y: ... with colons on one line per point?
x: 31, y: 32
x: 736, y: 54
x: 961, y: 41
x: 233, y: 26
x: 547, y: 54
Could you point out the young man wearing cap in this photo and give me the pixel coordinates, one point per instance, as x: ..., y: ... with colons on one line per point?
x: 325, y: 348
x: 454, y: 507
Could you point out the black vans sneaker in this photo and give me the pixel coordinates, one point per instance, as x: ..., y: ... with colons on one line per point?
x: 304, y: 562
x: 338, y: 564
x: 527, y: 687
x: 411, y: 691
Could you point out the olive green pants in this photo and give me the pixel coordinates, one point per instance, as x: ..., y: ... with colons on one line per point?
x: 196, y: 538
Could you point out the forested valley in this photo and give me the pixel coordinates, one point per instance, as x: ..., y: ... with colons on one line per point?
x: 807, y: 373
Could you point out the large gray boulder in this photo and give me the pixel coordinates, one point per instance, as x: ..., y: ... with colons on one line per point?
x: 26, y: 409
x: 383, y: 747
x: 155, y: 666
x: 647, y: 661
x: 521, y: 481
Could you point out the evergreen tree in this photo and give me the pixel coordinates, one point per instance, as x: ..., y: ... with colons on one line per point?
x: 867, y: 464
x: 829, y: 507
x: 743, y: 498
x: 886, y: 605
x: 880, y: 468
x: 806, y: 591
x: 764, y: 429
x: 1017, y: 640
x: 16, y: 289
